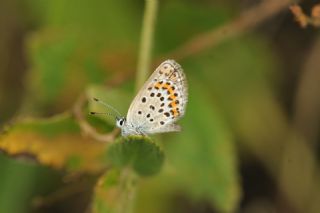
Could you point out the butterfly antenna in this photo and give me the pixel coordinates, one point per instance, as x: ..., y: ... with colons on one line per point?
x: 102, y: 113
x: 108, y: 106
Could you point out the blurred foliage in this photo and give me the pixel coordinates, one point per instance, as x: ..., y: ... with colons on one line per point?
x: 81, y: 48
x: 175, y: 18
x: 216, y: 179
x: 81, y: 42
x: 22, y: 180
x: 107, y: 193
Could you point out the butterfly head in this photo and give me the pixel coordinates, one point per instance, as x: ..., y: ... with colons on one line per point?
x: 120, y: 121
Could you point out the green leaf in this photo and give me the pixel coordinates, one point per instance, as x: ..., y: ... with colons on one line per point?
x: 139, y: 152
x: 203, y: 153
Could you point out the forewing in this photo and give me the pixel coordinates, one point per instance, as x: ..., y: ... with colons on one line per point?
x: 161, y: 101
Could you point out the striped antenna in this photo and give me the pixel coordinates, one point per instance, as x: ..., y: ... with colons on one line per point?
x: 108, y: 106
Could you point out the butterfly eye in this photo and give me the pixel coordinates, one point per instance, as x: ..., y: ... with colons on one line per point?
x: 121, y: 122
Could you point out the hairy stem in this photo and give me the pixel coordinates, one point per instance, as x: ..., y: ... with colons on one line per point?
x: 144, y: 59
x: 129, y: 178
x: 128, y: 184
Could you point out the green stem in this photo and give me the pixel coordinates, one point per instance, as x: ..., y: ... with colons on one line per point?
x: 129, y: 179
x: 128, y: 183
x: 148, y: 25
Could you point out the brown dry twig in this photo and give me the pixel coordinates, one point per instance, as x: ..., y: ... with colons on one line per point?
x: 305, y: 20
x: 315, y: 15
x: 299, y: 15
x: 86, y: 128
x: 238, y: 26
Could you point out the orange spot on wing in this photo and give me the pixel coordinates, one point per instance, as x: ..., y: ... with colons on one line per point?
x: 173, y: 104
x: 171, y: 91
x: 175, y: 112
x: 172, y: 97
x: 158, y: 85
x: 165, y: 86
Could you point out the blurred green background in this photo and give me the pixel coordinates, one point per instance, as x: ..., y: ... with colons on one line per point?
x: 250, y: 138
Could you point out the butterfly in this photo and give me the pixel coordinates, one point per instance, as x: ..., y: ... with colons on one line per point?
x: 158, y: 105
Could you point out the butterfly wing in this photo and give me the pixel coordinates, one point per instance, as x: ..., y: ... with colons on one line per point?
x: 161, y: 101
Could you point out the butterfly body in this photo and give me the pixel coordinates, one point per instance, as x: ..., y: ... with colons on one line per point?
x: 128, y: 128
x: 159, y: 104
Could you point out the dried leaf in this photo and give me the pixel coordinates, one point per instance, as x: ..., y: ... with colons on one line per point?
x: 55, y: 142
